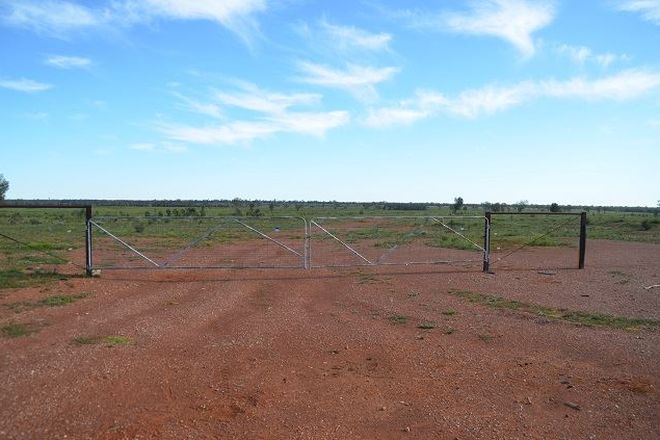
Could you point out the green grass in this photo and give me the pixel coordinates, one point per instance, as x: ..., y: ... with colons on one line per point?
x: 572, y: 316
x: 51, y: 301
x: 10, y: 279
x: 449, y: 312
x: 110, y: 341
x: 398, y: 319
x: 16, y: 330
x: 426, y: 325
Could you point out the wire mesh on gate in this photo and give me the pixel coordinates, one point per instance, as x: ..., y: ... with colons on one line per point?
x: 198, y: 242
x: 534, y: 240
x: 373, y: 241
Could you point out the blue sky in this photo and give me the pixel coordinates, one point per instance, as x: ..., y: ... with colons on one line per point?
x: 491, y: 100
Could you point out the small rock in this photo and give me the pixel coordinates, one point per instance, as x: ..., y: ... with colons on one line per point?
x: 406, y: 429
x: 573, y: 405
x: 382, y: 408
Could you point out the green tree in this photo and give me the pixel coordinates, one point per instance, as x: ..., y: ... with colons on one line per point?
x: 458, y: 204
x: 521, y: 205
x: 4, y: 187
x: 555, y: 208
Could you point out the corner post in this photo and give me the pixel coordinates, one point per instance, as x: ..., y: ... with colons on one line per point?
x: 88, y: 241
x: 487, y: 217
x: 583, y: 239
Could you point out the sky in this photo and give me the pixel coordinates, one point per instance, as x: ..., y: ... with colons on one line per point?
x: 360, y: 100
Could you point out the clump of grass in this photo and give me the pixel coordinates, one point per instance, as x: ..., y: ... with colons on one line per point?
x: 449, y: 312
x: 486, y: 338
x: 10, y: 279
x: 60, y: 300
x: 426, y: 325
x: 398, y: 319
x: 51, y: 301
x: 449, y: 330
x: 573, y: 316
x: 16, y: 330
x: 111, y: 341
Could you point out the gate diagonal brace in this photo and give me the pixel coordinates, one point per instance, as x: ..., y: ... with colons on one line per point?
x: 192, y: 244
x: 340, y: 241
x: 131, y: 248
x: 279, y: 243
x: 459, y: 234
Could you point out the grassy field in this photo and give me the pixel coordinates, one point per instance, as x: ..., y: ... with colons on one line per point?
x: 33, y: 238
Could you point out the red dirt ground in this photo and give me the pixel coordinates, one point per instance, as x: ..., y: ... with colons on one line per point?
x: 295, y: 354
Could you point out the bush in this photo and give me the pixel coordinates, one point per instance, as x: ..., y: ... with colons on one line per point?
x: 139, y: 227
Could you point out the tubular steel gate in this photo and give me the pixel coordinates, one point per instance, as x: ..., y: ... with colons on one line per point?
x: 50, y: 236
x: 284, y: 242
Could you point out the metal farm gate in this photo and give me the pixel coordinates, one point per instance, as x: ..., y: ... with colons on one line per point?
x: 156, y: 242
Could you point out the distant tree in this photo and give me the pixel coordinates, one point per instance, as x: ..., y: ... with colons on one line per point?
x: 271, y: 207
x: 521, y: 205
x: 4, y: 186
x: 458, y: 204
x: 555, y: 208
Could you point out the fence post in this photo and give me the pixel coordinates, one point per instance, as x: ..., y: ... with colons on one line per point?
x: 88, y: 241
x: 487, y: 218
x: 306, y: 256
x: 583, y: 239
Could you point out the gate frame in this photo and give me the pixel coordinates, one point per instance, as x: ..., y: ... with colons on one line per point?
x: 485, y: 249
x: 583, y: 232
x: 239, y: 220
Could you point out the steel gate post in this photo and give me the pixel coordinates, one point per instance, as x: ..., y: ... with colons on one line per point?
x: 487, y: 217
x: 583, y: 239
x: 88, y: 241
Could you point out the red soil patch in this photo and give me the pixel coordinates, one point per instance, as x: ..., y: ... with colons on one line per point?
x: 329, y: 354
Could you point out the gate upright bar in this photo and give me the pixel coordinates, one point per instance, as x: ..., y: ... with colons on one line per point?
x: 583, y: 239
x: 486, y: 267
x: 88, y: 241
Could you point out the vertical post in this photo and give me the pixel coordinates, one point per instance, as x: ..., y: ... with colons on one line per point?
x: 487, y: 218
x: 583, y: 239
x: 88, y: 241
x: 306, y: 246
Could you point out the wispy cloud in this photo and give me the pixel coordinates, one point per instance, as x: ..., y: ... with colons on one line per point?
x: 473, y: 103
x: 203, y: 108
x: 345, y: 39
x: 50, y: 16
x: 60, y: 17
x: 582, y: 55
x: 162, y: 147
x: 24, y: 85
x: 514, y: 21
x: 359, y: 80
x: 269, y: 113
x: 67, y: 62
x: 253, y: 98
x: 648, y: 9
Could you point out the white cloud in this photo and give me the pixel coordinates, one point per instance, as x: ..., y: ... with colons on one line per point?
x: 163, y: 147
x: 202, y: 108
x: 240, y: 132
x: 350, y: 38
x: 50, y: 16
x: 67, y: 62
x: 582, y: 55
x: 359, y: 80
x: 473, y: 103
x: 59, y: 17
x: 255, y: 99
x: 648, y: 9
x: 270, y: 113
x: 24, y: 85
x: 235, y: 15
x: 514, y: 21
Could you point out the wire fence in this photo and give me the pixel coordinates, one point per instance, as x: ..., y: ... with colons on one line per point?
x: 42, y: 239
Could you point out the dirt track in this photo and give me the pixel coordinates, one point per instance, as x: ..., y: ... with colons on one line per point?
x: 255, y: 354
